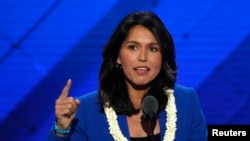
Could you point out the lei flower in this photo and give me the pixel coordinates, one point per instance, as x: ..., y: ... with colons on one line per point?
x: 170, y: 109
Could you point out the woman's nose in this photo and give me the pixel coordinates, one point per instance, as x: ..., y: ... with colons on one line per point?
x: 142, y: 55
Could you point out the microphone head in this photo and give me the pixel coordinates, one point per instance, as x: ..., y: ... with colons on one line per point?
x: 149, y: 106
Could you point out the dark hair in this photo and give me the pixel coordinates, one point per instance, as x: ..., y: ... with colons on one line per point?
x: 112, y: 87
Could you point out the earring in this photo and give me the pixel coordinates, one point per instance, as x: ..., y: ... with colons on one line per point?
x: 118, y: 66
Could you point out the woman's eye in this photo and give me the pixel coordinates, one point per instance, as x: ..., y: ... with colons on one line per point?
x: 154, y: 49
x: 132, y: 47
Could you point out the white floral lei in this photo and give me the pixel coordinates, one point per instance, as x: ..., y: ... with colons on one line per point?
x: 170, y: 109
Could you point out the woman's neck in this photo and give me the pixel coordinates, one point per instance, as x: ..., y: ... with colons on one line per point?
x: 136, y: 96
x: 136, y: 93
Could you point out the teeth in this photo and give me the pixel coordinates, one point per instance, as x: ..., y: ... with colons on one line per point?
x: 141, y: 68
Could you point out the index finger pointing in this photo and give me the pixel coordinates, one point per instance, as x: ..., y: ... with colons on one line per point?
x: 65, y: 90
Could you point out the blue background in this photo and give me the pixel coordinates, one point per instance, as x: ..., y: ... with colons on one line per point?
x: 43, y: 43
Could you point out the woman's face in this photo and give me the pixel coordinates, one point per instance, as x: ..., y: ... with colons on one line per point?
x: 140, y: 56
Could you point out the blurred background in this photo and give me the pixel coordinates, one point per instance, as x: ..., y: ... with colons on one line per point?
x: 43, y: 43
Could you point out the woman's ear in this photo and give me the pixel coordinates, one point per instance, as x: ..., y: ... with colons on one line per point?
x: 118, y: 61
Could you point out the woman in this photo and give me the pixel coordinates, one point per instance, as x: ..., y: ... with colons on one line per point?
x: 138, y: 60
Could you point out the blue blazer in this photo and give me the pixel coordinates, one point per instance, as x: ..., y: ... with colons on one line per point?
x: 91, y: 124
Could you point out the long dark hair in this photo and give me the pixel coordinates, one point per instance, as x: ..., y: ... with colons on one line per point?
x: 112, y: 87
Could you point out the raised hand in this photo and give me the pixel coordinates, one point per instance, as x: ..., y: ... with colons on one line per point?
x: 65, y: 107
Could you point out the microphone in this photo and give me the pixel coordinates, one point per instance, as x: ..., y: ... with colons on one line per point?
x: 149, y: 109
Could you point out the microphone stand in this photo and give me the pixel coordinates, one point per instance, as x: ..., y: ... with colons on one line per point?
x: 149, y: 109
x: 151, y: 118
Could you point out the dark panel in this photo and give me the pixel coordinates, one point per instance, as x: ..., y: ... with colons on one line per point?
x: 226, y: 91
x: 24, y: 121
